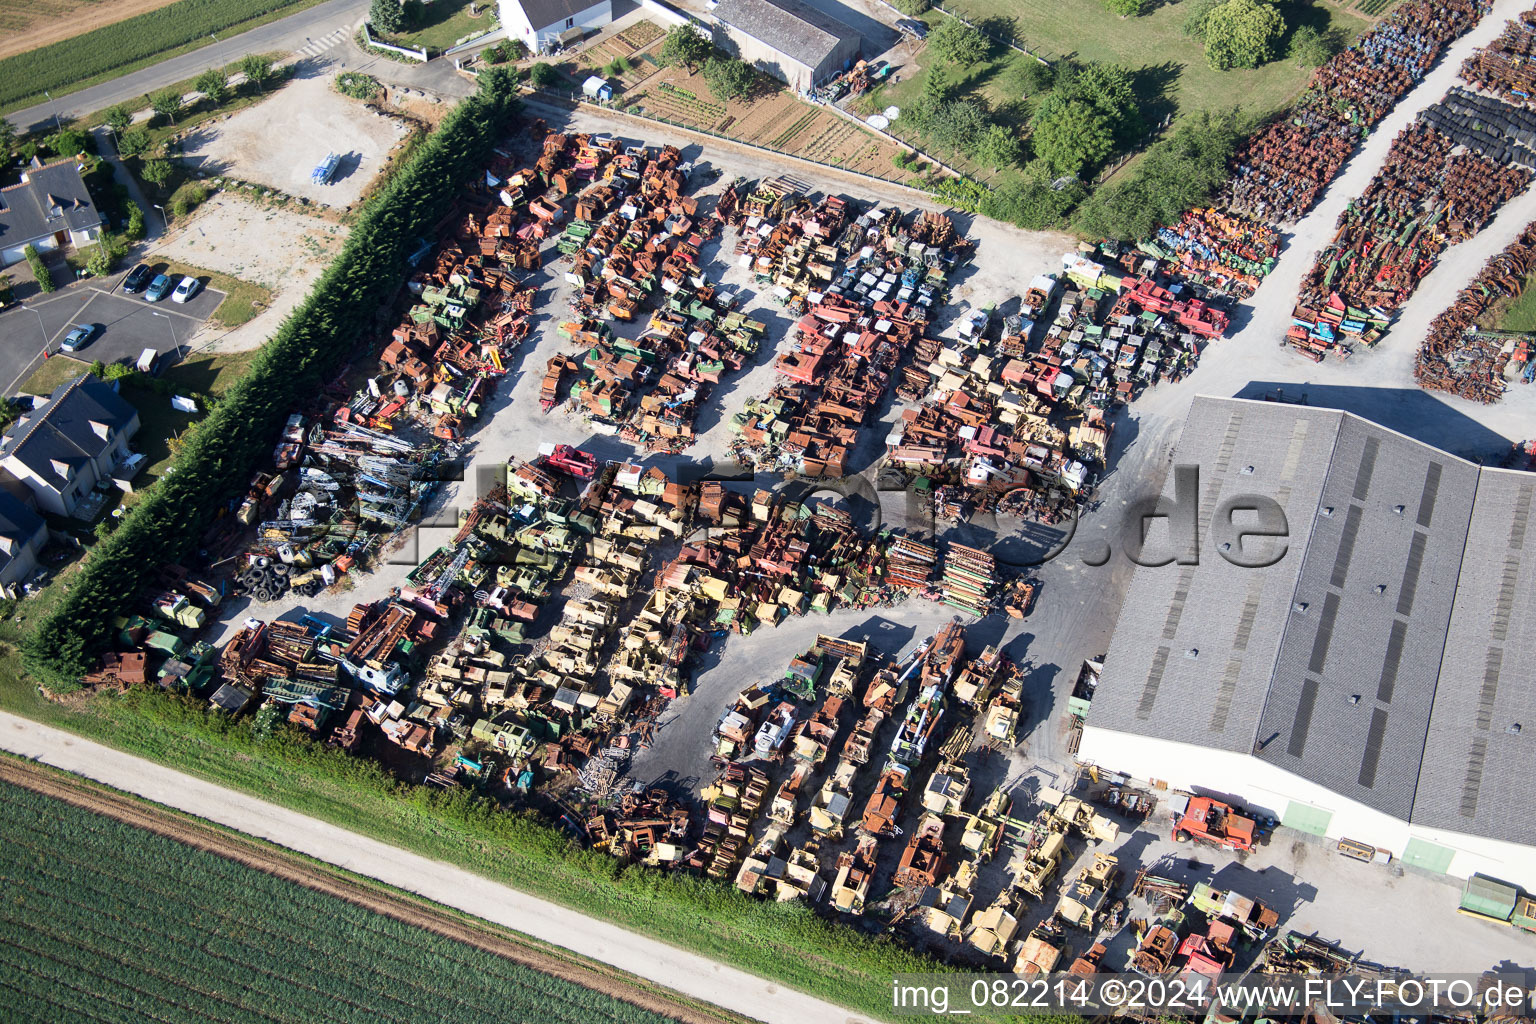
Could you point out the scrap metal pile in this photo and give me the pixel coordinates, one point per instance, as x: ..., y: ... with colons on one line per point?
x: 1505, y: 68
x: 1462, y: 358
x: 1280, y: 171
x: 633, y: 248
x: 1222, y: 251
x: 1432, y: 192
x: 863, y: 288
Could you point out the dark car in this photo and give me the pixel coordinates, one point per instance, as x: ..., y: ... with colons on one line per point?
x: 137, y: 278
x: 160, y: 287
x: 78, y: 337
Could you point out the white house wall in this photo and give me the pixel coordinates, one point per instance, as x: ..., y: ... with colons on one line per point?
x: 538, y: 38
x: 1263, y: 787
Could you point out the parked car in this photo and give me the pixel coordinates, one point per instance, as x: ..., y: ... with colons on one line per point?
x: 78, y: 337
x: 189, y: 287
x: 912, y: 25
x: 137, y: 278
x: 158, y: 288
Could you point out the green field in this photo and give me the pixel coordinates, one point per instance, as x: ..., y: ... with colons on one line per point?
x: 136, y: 42
x: 103, y: 921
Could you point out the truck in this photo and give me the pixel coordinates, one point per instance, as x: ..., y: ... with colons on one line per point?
x: 1209, y: 820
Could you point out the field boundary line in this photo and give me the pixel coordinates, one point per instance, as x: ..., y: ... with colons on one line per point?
x: 333, y: 881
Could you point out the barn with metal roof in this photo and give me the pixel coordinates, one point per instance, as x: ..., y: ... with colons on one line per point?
x: 788, y: 39
x: 1368, y: 684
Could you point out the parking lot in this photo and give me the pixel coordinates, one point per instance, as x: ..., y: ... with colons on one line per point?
x: 125, y: 325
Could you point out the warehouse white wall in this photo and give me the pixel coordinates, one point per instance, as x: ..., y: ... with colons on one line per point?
x: 1264, y: 787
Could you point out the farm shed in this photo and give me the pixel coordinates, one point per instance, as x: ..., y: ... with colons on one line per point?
x: 788, y: 39
x: 597, y: 88
x: 543, y: 24
x: 1368, y: 685
x: 50, y: 208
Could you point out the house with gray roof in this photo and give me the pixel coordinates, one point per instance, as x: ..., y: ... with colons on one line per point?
x: 788, y: 39
x: 50, y: 208
x: 544, y: 24
x: 73, y: 441
x: 1371, y: 684
x: 23, y: 535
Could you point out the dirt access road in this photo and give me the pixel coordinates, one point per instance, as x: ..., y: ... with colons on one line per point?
x: 692, y: 975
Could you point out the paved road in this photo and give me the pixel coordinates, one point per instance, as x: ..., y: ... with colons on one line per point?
x: 443, y: 883
x: 309, y: 31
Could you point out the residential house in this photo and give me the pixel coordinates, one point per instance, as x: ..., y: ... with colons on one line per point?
x: 76, y: 439
x: 22, y: 536
x: 788, y: 39
x: 545, y: 24
x: 50, y: 208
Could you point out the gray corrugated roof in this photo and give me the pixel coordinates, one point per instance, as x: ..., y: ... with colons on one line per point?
x: 1231, y: 616
x: 1349, y: 703
x: 795, y: 29
x: 1478, y: 777
x: 53, y: 198
x: 1401, y: 700
x: 62, y: 430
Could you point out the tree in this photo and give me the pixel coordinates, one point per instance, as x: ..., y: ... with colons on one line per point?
x: 517, y: 48
x: 1128, y: 8
x: 1195, y: 16
x: 257, y: 69
x: 997, y: 147
x: 684, y: 46
x: 1313, y: 47
x: 1035, y: 76
x: 67, y: 142
x: 957, y: 125
x: 40, y: 269
x: 167, y: 104
x: 214, y: 84
x: 1031, y: 201
x: 543, y: 76
x: 386, y: 16
x: 959, y: 43
x: 103, y: 254
x: 912, y: 8
x: 729, y: 78
x: 134, y: 232
x: 936, y: 85
x: 133, y: 143
x: 119, y: 118
x: 1071, y: 133
x: 157, y: 172
x: 1242, y: 34
x: 7, y: 137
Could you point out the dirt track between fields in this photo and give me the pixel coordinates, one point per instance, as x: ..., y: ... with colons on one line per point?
x: 264, y: 858
x: 48, y: 22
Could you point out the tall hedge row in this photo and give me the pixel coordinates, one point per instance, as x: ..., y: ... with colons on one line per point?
x: 227, y: 446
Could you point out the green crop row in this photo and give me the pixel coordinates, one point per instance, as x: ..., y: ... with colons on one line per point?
x: 106, y: 921
x: 60, y: 65
x: 221, y: 452
x: 786, y: 942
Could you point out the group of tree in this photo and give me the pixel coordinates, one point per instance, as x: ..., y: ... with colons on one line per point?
x: 1184, y: 170
x: 1089, y: 113
x: 959, y: 44
x: 1236, y: 33
x: 386, y: 16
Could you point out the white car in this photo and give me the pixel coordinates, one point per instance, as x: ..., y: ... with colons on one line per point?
x: 188, y: 287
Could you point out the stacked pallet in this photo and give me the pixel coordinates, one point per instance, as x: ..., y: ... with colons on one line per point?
x: 969, y: 576
x: 909, y: 563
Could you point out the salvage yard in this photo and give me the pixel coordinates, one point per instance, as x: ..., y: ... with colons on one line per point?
x: 314, y: 120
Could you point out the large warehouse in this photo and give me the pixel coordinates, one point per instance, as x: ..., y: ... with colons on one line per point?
x: 1375, y: 683
x: 788, y: 39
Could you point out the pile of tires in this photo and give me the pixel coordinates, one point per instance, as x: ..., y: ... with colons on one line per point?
x: 265, y: 580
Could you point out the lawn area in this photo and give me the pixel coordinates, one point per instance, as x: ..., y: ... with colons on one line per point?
x: 1172, y: 72
x: 55, y: 370
x: 242, y: 301
x: 115, y: 50
x: 442, y: 23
